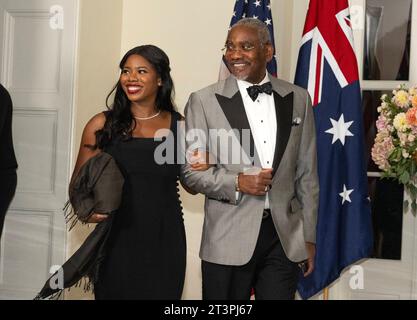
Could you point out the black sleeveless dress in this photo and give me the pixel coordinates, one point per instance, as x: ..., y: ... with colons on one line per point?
x: 146, y: 254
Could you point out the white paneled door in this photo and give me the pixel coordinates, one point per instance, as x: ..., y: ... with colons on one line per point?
x: 37, y: 39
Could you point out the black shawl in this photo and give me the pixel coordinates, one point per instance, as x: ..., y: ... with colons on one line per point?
x: 96, y: 189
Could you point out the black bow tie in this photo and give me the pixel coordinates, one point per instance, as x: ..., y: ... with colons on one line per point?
x: 255, y: 90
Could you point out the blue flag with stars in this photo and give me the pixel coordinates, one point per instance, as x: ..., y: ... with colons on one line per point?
x: 327, y: 68
x: 258, y: 9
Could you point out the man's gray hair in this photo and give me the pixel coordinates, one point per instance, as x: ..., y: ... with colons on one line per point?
x: 261, y: 27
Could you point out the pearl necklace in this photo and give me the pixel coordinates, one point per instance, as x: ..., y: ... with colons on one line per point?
x: 148, y: 118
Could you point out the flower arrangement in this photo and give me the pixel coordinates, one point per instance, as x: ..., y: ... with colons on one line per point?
x: 395, y: 147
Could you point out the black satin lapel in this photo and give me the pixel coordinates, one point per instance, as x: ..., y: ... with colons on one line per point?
x: 235, y: 113
x: 284, y: 113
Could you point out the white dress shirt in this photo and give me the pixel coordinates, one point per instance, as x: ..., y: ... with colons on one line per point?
x: 263, y: 123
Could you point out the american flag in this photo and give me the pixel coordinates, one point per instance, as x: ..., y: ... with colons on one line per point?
x: 327, y: 67
x: 258, y: 9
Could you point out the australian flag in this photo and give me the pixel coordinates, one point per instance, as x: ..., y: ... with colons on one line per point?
x: 258, y: 9
x: 327, y: 68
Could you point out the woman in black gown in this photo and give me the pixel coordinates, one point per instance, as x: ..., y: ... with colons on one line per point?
x: 146, y: 254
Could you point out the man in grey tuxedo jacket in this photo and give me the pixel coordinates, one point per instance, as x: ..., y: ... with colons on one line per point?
x: 261, y: 197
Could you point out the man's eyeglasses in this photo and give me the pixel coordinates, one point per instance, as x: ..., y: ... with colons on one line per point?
x: 244, y: 47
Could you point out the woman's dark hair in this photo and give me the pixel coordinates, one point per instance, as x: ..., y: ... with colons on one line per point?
x: 119, y: 118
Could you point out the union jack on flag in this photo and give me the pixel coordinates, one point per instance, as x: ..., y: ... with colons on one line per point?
x: 258, y: 9
x: 327, y: 68
x: 331, y: 39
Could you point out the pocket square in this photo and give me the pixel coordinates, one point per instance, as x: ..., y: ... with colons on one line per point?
x: 296, y: 121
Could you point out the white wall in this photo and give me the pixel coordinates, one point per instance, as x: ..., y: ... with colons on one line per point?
x: 192, y: 33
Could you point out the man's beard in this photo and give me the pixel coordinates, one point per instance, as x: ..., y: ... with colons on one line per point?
x: 241, y: 77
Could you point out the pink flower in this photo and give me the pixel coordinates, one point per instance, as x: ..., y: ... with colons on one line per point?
x: 381, y: 123
x: 381, y: 150
x: 403, y: 138
x: 411, y: 116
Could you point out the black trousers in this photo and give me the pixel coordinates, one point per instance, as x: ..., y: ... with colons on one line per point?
x: 8, y: 183
x: 269, y: 272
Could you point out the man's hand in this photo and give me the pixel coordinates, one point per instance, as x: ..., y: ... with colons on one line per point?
x: 311, y: 251
x: 256, y: 185
x: 97, y: 218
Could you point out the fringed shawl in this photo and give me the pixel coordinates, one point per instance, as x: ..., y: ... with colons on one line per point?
x: 96, y: 189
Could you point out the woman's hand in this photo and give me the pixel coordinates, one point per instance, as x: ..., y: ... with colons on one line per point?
x: 97, y: 217
x: 200, y: 160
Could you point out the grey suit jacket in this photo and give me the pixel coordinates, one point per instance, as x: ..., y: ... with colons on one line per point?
x: 231, y: 226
